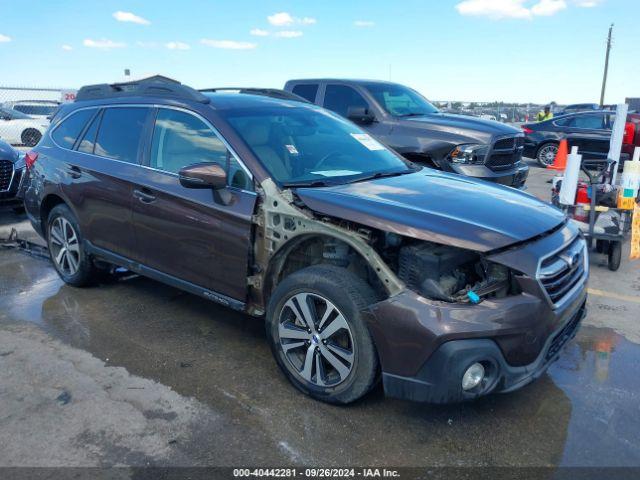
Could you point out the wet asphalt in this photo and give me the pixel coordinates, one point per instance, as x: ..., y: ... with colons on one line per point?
x: 210, y: 393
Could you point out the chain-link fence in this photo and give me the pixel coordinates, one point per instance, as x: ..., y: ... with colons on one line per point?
x: 25, y: 112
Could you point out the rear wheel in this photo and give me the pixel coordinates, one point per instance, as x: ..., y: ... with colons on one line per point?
x: 318, y: 335
x: 547, y: 154
x: 30, y: 137
x: 66, y: 248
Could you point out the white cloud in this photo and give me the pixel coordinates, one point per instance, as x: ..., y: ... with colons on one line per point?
x: 522, y: 9
x: 4, y: 38
x: 67, y: 48
x: 103, y: 44
x: 495, y: 9
x: 177, y: 46
x: 258, y: 32
x: 548, y: 7
x: 289, y: 34
x: 130, y: 17
x: 228, y: 44
x: 364, y: 23
x: 281, y: 19
x: 284, y: 19
x: 587, y: 3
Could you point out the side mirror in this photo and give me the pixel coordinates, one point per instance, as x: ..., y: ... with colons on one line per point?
x: 203, y: 175
x: 360, y: 115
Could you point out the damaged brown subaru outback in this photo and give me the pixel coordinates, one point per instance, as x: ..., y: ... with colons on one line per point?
x: 364, y: 266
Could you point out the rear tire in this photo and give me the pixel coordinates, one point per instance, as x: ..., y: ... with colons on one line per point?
x: 66, y: 248
x: 30, y: 137
x: 547, y: 154
x: 331, y: 357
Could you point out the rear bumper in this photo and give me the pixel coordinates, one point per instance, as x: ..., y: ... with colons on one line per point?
x: 513, y: 177
x: 439, y: 380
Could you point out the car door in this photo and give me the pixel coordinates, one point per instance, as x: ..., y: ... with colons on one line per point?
x: 340, y: 98
x: 590, y: 134
x: 101, y: 170
x: 187, y: 234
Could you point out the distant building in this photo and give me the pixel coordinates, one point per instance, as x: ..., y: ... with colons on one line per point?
x: 634, y: 103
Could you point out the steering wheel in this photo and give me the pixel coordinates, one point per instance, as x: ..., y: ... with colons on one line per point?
x: 325, y: 158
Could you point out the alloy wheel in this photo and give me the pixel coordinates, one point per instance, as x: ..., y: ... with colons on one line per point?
x: 547, y: 154
x: 316, y: 339
x: 64, y: 245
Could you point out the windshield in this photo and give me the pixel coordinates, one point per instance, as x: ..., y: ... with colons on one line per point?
x: 308, y: 146
x: 400, y: 101
x: 14, y: 114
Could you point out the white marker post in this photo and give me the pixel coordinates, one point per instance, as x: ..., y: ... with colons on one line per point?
x: 570, y: 180
x: 617, y: 134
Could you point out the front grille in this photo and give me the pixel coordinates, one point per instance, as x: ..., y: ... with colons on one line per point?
x: 560, y: 273
x: 505, y: 153
x: 6, y: 172
x: 564, y: 335
x: 501, y: 161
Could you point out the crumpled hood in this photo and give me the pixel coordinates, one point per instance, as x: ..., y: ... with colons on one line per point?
x: 473, y: 128
x: 439, y: 207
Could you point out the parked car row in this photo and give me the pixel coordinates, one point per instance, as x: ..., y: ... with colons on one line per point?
x: 364, y: 265
x: 18, y: 128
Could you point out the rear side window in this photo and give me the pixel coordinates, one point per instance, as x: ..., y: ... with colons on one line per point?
x: 120, y: 132
x: 588, y: 121
x: 339, y: 98
x: 67, y: 132
x: 307, y: 91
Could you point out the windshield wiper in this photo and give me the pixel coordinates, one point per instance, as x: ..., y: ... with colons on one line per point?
x: 413, y: 114
x: 377, y: 175
x: 311, y: 183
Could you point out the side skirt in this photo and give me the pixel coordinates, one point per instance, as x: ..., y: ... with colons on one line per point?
x: 165, y: 278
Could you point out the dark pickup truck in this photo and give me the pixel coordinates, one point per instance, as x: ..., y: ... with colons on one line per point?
x: 404, y: 120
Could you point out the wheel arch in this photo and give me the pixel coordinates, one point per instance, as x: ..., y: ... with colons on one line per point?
x: 48, y: 203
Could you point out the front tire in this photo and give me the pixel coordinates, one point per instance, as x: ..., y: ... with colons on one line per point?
x: 66, y: 248
x: 30, y: 137
x: 318, y: 335
x: 547, y: 154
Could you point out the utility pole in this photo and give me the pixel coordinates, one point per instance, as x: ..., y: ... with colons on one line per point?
x: 606, y: 67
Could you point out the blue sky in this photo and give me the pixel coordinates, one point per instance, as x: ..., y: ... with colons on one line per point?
x: 470, y: 50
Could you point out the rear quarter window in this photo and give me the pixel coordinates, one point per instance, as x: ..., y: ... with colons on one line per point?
x: 67, y: 132
x: 307, y: 91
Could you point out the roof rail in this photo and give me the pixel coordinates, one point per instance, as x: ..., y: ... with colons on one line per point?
x: 267, y: 92
x: 156, y: 86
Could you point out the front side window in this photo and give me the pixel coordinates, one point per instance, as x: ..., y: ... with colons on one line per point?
x: 120, y: 133
x: 181, y: 139
x: 307, y: 91
x: 67, y: 132
x: 311, y: 146
x: 589, y: 121
x: 339, y: 98
x: 399, y: 100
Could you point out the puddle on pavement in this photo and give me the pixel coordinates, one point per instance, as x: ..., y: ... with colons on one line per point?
x: 585, y: 411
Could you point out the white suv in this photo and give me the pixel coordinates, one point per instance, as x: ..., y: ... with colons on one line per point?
x: 43, y: 109
x: 17, y: 128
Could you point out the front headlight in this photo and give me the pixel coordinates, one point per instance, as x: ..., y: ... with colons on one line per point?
x: 470, y: 154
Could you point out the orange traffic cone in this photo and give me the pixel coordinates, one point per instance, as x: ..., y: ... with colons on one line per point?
x: 560, y: 162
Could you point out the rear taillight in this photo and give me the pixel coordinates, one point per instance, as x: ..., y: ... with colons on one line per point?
x: 30, y: 159
x: 629, y: 133
x: 527, y: 131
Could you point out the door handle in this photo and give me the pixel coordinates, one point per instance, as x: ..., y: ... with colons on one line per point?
x: 74, y: 171
x: 144, y: 195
